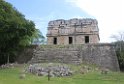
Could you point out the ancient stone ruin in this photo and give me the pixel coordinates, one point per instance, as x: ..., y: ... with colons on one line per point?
x: 55, y: 70
x: 73, y: 31
x: 83, y: 35
x: 101, y: 55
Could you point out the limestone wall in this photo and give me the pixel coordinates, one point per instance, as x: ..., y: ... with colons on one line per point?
x: 62, y: 27
x: 102, y: 55
x: 75, y: 28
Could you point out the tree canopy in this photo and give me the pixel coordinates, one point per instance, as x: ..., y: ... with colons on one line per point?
x: 15, y: 31
x: 120, y: 48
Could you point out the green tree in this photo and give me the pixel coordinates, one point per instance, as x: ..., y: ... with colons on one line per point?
x: 15, y: 32
x: 120, y: 48
x: 38, y: 38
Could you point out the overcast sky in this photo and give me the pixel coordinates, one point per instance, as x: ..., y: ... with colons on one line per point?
x: 109, y: 13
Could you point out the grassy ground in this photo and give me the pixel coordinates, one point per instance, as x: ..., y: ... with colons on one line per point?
x: 11, y: 76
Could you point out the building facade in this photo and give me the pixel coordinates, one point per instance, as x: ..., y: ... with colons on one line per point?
x: 73, y: 31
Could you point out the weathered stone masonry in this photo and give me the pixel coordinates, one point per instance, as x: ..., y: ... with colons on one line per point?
x: 73, y: 31
x: 103, y: 55
x: 83, y: 35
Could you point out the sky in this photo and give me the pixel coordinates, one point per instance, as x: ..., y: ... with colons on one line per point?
x: 109, y: 13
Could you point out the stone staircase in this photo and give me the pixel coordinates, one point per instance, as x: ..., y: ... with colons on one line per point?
x: 102, y: 55
x: 62, y: 55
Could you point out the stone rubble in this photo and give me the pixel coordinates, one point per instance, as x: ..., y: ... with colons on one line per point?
x: 10, y: 65
x: 55, y: 71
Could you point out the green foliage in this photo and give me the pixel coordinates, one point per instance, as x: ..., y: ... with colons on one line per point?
x: 15, y: 31
x: 120, y: 48
x: 120, y: 53
x: 38, y: 38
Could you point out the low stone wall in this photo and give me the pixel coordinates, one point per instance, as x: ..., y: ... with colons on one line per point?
x: 102, y: 55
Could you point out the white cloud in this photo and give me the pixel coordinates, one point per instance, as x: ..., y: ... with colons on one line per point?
x: 109, y: 13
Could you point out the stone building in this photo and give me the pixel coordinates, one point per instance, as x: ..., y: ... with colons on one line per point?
x: 73, y: 31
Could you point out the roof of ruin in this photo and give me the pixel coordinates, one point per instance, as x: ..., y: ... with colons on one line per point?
x: 74, y: 21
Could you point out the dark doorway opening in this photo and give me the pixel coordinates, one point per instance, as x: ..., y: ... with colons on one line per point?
x: 55, y: 40
x: 70, y: 40
x: 86, y: 39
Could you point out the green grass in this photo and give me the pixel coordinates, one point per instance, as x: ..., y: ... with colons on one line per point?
x: 11, y: 76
